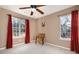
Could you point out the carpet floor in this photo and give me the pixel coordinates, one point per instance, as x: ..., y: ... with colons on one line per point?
x: 33, y: 48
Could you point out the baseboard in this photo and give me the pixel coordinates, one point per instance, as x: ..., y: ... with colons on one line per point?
x: 58, y: 46
x: 2, y: 48
x: 13, y: 46
x: 46, y: 43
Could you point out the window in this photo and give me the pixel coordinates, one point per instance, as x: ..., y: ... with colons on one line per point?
x: 18, y: 27
x: 65, y: 22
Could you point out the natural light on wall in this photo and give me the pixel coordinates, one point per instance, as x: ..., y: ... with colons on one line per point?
x: 18, y: 27
x: 65, y: 23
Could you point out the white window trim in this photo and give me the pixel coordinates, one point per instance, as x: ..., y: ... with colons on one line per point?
x: 17, y: 37
x: 20, y: 36
x: 61, y: 38
x: 65, y: 39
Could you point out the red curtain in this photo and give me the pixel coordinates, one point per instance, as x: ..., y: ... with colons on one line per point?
x: 27, y: 33
x: 9, y: 33
x: 74, y: 31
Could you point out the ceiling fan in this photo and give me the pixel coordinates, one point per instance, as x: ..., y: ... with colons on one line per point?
x: 34, y: 7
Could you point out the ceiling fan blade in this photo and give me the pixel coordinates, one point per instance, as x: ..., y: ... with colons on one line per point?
x: 31, y: 13
x: 39, y: 5
x: 40, y: 11
x: 25, y: 8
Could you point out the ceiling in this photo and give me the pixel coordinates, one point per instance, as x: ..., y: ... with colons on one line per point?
x: 48, y: 9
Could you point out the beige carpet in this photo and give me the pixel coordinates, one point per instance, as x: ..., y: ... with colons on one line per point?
x: 33, y: 48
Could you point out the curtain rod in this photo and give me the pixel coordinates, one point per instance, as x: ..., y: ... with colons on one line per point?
x: 17, y: 16
x: 65, y: 13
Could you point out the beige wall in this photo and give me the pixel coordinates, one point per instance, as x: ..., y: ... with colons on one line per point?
x: 3, y: 27
x: 52, y: 28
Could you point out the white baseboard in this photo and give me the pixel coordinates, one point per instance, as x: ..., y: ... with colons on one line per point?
x: 13, y: 46
x: 2, y: 48
x: 57, y: 46
x: 46, y: 43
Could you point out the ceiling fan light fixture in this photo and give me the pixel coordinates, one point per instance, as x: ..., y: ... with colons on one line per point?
x: 33, y: 9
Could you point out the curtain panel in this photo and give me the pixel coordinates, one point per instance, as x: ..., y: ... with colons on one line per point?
x: 74, y: 31
x: 27, y: 32
x: 9, y: 42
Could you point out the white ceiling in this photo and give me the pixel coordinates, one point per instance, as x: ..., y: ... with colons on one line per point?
x: 48, y: 9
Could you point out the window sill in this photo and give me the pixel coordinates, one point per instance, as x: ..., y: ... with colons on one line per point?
x: 65, y: 39
x: 18, y: 37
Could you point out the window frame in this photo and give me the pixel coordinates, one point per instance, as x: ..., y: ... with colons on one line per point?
x: 20, y: 35
x: 62, y: 38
